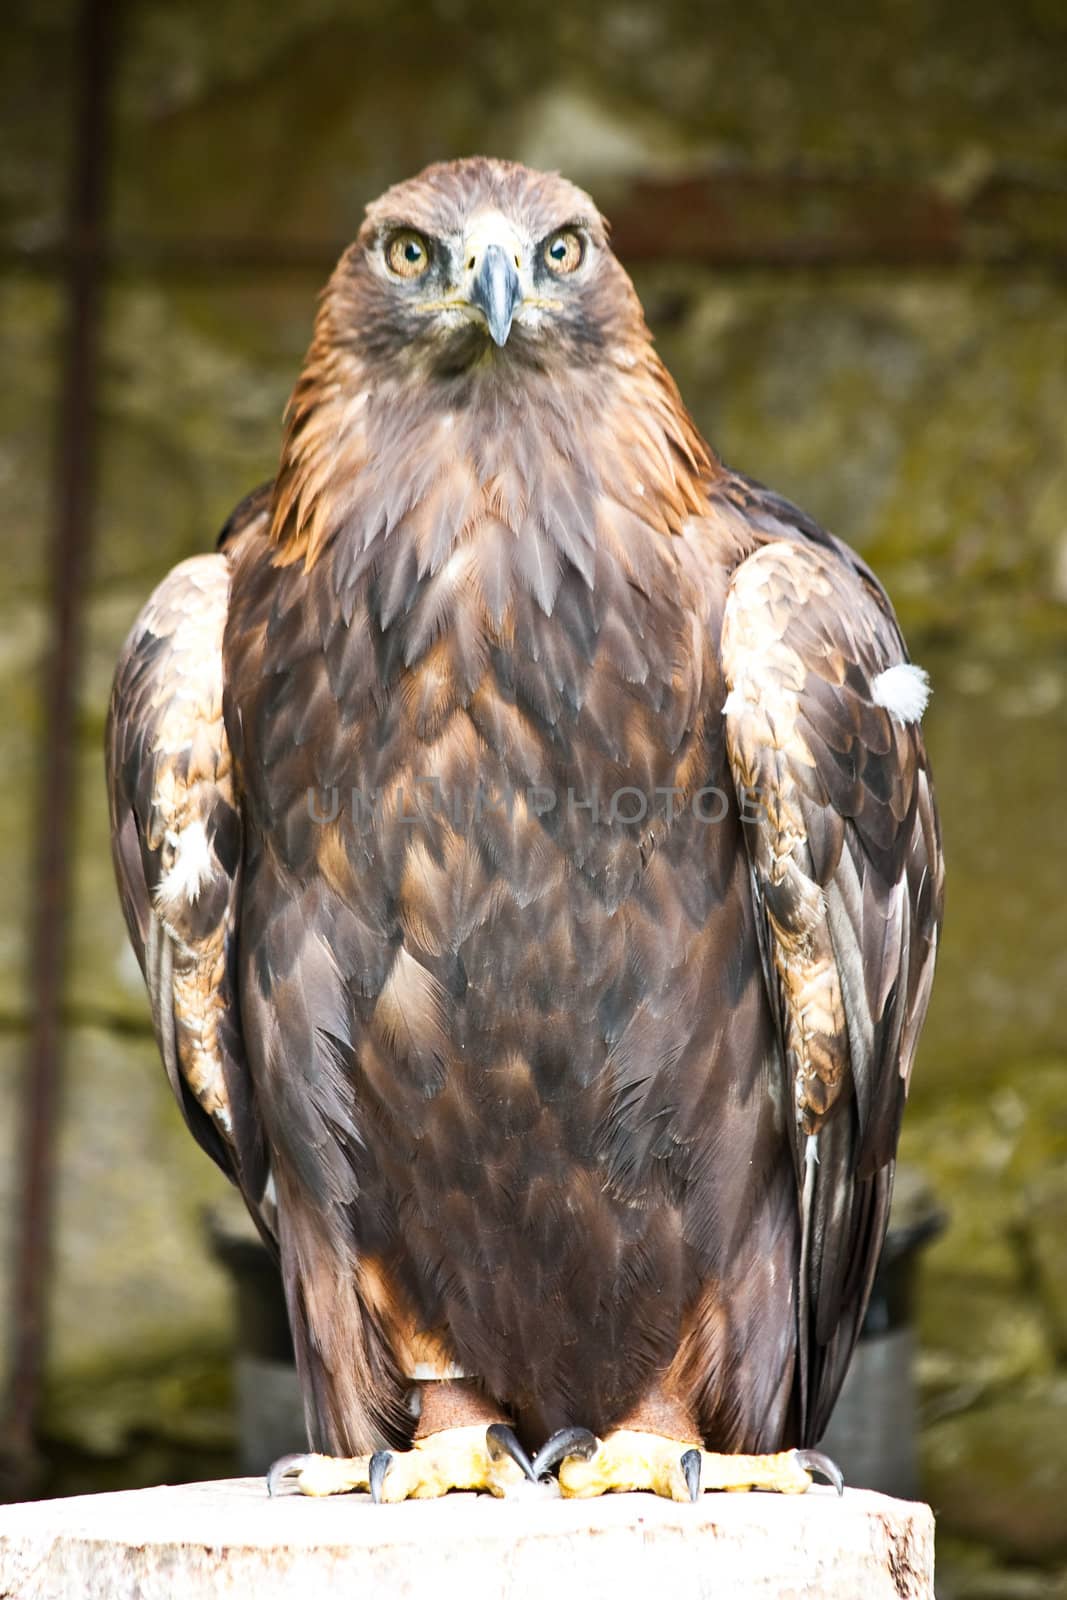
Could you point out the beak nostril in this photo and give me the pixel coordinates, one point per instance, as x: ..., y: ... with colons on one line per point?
x: 470, y: 264
x: 518, y: 263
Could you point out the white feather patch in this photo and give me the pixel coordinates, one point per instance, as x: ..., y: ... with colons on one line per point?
x: 189, y: 871
x: 747, y: 689
x: 903, y: 690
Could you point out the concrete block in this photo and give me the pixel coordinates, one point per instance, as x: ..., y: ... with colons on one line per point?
x: 214, y: 1539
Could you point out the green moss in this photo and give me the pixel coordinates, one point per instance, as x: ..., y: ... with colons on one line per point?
x: 334, y: 98
x: 1044, y: 1228
x: 916, y: 416
x: 978, y: 1148
x: 970, y: 1571
x: 996, y: 1474
x: 178, y: 1394
x: 195, y: 384
x: 30, y: 326
x: 133, y: 1273
x: 984, y: 1325
x: 37, y: 67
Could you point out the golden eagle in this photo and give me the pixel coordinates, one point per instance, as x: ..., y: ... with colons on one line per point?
x: 527, y: 837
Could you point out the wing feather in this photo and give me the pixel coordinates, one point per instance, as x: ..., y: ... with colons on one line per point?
x: 847, y: 881
x: 176, y: 832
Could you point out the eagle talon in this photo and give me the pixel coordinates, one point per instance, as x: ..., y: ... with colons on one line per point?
x: 380, y: 1463
x: 289, y: 1466
x: 464, y: 1457
x: 566, y: 1442
x: 500, y: 1441
x: 815, y: 1461
x: 690, y: 1464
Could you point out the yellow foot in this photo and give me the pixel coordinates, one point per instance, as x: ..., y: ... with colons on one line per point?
x: 628, y: 1459
x: 455, y: 1458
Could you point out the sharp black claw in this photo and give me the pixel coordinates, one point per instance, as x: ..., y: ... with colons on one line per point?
x: 691, y: 1468
x: 379, y: 1466
x: 500, y: 1441
x: 567, y: 1442
x: 815, y: 1461
x: 284, y: 1467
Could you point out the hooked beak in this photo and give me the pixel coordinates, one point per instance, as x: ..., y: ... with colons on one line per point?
x: 496, y: 291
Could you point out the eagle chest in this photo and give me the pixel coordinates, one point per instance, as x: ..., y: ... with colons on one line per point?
x: 511, y: 840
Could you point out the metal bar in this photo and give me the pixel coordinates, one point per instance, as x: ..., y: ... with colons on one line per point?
x: 71, y: 538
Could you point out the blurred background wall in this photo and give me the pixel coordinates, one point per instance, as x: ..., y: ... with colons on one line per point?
x: 850, y: 234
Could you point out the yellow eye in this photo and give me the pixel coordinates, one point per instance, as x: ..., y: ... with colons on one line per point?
x: 407, y: 254
x: 564, y: 251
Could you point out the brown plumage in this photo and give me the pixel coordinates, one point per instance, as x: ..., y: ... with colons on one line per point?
x: 537, y: 878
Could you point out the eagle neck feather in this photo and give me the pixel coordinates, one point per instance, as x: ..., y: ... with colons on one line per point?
x: 560, y: 462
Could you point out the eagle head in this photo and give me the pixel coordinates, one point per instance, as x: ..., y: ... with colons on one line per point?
x: 484, y: 264
x: 475, y: 343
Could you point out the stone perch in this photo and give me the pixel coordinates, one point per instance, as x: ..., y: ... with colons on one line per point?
x: 204, y: 1540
